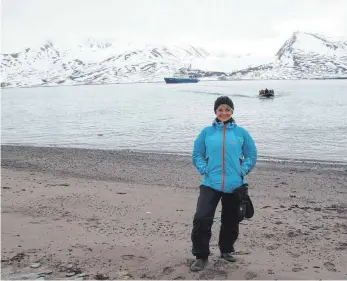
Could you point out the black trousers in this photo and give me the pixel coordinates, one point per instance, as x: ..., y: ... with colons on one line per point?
x: 203, y: 220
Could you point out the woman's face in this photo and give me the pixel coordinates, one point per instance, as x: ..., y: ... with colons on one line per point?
x: 224, y: 112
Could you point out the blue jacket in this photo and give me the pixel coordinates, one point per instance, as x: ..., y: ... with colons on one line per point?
x: 224, y: 154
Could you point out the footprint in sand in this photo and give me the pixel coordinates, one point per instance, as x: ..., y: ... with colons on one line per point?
x: 179, y: 278
x: 293, y: 255
x: 18, y: 257
x: 101, y: 277
x: 131, y: 257
x: 220, y: 264
x: 145, y: 276
x: 250, y: 275
x: 292, y: 234
x: 128, y: 257
x: 211, y: 274
x: 330, y: 266
x: 341, y: 246
x: 273, y: 247
x: 297, y: 269
x: 168, y: 270
x: 125, y: 275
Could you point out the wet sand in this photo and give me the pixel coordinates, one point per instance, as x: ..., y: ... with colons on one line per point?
x: 127, y: 215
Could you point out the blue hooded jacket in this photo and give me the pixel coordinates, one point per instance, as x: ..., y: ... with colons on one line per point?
x: 224, y: 154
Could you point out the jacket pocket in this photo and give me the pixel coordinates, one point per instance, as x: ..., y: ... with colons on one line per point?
x: 207, y: 164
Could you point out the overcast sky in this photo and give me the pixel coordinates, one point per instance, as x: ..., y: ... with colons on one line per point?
x: 257, y: 26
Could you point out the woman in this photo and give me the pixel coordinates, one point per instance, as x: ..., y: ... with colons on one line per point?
x: 224, y: 154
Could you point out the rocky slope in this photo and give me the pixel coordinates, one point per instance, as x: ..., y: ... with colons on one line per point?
x: 303, y: 56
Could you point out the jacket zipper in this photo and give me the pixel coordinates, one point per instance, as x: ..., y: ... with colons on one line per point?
x: 223, y: 162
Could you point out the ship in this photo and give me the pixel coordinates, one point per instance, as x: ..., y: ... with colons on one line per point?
x: 176, y: 80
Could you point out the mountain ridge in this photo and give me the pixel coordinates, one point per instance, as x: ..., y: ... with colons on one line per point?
x: 302, y: 56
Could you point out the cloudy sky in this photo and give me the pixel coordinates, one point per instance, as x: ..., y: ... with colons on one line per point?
x: 236, y: 26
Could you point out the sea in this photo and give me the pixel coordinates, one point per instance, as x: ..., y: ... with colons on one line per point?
x: 306, y: 120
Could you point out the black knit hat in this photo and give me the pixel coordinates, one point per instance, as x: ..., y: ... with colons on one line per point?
x: 223, y: 100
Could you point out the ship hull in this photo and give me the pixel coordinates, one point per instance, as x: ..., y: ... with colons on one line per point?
x: 180, y: 80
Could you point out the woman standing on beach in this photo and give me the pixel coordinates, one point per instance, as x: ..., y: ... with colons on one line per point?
x: 224, y: 154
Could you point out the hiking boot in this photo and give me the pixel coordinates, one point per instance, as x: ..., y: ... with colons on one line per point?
x: 228, y: 257
x: 198, y: 264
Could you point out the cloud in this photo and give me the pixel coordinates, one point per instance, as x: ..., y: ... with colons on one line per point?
x: 232, y: 25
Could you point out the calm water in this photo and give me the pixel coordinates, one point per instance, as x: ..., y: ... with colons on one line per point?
x: 306, y: 120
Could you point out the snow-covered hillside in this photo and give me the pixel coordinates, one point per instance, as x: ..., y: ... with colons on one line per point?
x: 303, y: 56
x: 94, y: 63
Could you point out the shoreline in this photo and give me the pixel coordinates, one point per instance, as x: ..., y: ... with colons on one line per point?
x: 261, y: 158
x: 152, y: 82
x: 128, y: 215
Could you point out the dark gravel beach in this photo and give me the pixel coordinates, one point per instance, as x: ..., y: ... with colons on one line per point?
x: 96, y: 214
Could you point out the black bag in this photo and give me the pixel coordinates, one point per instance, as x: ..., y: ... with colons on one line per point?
x: 242, y: 211
x: 249, y: 208
x: 246, y: 209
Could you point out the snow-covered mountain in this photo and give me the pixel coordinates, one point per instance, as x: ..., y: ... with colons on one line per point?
x: 303, y: 56
x: 94, y: 62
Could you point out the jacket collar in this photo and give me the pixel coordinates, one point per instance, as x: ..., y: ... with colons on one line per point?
x: 219, y: 124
